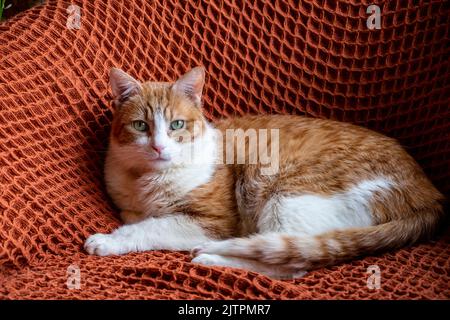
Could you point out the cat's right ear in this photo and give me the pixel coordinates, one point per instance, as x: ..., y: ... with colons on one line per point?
x: 123, y: 86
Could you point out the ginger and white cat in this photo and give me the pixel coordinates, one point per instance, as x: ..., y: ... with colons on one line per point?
x: 339, y: 191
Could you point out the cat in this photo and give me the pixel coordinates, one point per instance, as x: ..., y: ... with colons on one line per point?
x: 339, y: 191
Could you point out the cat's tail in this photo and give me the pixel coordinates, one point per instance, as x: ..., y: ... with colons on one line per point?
x: 309, y: 252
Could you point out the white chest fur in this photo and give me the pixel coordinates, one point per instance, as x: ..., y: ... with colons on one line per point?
x: 152, y: 193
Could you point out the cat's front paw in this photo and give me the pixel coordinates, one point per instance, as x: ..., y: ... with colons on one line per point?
x: 103, y: 245
x: 203, y: 248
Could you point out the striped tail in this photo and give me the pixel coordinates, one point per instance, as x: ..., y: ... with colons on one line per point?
x: 306, y: 253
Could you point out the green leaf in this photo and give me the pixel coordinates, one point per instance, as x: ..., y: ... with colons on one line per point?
x: 2, y: 4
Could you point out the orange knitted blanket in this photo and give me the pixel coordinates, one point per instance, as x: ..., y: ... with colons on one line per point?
x: 316, y: 58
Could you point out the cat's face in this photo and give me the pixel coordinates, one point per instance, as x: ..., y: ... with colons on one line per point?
x: 157, y: 124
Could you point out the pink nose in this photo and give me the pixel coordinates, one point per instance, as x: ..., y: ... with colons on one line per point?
x: 157, y: 148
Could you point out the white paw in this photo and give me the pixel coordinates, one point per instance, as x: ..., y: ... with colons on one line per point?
x: 198, y: 250
x: 207, y: 247
x: 103, y: 245
x: 210, y: 260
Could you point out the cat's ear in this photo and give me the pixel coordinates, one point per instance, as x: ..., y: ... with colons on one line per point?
x: 123, y: 85
x: 191, y: 84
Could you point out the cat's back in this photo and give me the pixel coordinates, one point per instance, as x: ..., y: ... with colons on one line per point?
x: 331, y: 155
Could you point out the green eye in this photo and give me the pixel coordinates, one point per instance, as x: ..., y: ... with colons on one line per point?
x: 177, y: 124
x: 140, y: 125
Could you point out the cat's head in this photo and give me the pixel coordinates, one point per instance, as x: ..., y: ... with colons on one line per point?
x: 157, y: 124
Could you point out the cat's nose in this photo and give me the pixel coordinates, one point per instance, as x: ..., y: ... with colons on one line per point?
x: 157, y: 148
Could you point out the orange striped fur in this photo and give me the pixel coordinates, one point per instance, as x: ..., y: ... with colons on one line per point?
x: 339, y: 191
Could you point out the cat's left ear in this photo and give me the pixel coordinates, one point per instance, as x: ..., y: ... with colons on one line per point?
x: 123, y: 86
x: 191, y: 85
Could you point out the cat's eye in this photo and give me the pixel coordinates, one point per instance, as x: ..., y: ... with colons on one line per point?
x: 140, y: 125
x: 176, y: 124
